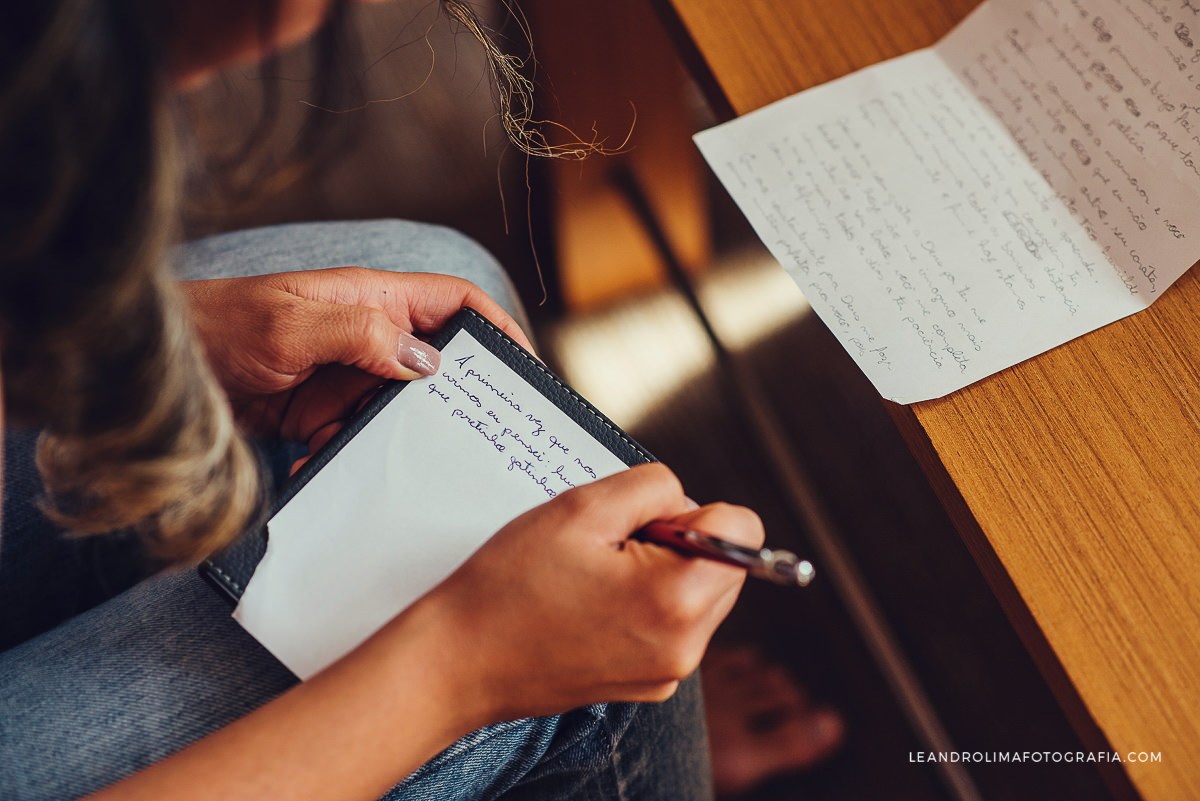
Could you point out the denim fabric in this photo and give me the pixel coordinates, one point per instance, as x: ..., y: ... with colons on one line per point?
x: 396, y: 245
x: 634, y: 751
x: 102, y: 674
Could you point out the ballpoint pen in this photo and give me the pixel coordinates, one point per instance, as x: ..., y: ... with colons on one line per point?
x: 779, y: 566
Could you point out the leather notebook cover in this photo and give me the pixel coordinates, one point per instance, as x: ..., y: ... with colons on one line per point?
x: 230, y: 570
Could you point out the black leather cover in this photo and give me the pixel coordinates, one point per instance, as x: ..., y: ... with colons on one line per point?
x: 230, y: 570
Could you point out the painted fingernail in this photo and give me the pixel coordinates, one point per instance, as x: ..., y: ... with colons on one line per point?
x: 418, y: 356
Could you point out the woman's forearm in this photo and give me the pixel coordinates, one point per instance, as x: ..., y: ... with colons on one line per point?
x: 559, y: 609
x: 351, y: 732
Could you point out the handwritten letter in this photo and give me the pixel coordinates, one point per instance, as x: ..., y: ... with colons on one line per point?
x: 955, y: 211
x: 427, y: 481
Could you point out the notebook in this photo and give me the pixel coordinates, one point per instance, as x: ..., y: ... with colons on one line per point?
x: 408, y: 490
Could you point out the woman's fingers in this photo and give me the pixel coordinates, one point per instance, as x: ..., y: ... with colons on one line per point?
x: 564, y: 610
x: 362, y: 337
x: 736, y: 523
x: 266, y: 334
x: 442, y: 298
x: 422, y: 302
x: 623, y: 502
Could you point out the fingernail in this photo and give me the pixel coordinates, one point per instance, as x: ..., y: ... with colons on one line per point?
x: 418, y: 356
x: 690, y: 504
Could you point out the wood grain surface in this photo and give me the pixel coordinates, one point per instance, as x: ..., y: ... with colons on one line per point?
x: 1080, y: 468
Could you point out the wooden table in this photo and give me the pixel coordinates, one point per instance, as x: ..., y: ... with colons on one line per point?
x: 1074, y: 477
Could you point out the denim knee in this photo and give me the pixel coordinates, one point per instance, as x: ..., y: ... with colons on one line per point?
x: 395, y: 245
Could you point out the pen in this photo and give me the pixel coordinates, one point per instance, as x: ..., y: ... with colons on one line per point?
x: 779, y: 566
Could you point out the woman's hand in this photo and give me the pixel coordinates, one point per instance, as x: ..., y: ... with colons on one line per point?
x: 560, y: 609
x: 556, y: 611
x: 298, y: 352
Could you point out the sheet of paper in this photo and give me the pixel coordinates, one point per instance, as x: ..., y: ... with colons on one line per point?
x: 955, y: 211
x: 443, y: 467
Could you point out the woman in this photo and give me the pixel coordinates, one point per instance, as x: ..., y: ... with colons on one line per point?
x: 495, y: 683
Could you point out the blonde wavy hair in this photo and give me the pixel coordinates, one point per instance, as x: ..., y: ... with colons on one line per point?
x: 95, y: 339
x: 96, y: 343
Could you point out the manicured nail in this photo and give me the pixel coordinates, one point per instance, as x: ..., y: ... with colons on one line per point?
x: 418, y: 356
x: 690, y: 504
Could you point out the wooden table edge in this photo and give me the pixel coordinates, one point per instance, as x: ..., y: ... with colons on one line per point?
x: 1014, y: 606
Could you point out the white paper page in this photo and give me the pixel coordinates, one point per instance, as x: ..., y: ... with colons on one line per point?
x: 443, y: 467
x: 1103, y: 99
x: 923, y: 234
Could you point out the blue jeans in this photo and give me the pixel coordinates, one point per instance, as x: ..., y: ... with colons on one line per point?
x: 103, y: 673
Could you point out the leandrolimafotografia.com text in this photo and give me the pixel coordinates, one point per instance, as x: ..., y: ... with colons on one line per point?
x: 1019, y: 757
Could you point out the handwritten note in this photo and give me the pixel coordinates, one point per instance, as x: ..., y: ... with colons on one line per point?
x: 955, y: 211
x: 427, y: 481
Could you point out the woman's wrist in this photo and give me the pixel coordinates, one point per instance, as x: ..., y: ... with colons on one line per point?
x: 429, y: 646
x: 352, y: 731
